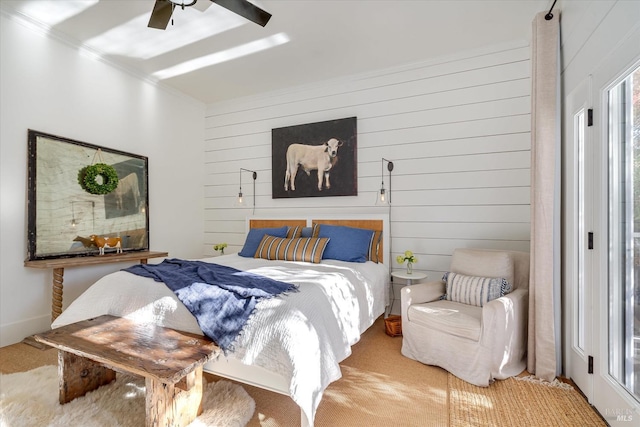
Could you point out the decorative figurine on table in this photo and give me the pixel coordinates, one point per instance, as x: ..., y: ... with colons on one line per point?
x: 107, y: 242
x: 220, y: 247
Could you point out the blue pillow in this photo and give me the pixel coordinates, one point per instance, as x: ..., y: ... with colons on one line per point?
x: 346, y: 243
x: 310, y: 231
x: 255, y: 237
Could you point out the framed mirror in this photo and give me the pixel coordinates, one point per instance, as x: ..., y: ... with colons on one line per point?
x: 79, y: 194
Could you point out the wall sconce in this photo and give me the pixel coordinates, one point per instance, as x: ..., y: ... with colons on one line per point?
x: 241, y: 199
x: 383, y: 197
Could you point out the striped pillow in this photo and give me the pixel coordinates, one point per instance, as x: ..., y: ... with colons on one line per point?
x: 308, y: 249
x: 293, y: 232
x: 474, y: 290
x: 315, y: 229
x: 374, y: 246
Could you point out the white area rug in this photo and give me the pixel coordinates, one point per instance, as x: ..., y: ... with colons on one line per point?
x: 30, y: 399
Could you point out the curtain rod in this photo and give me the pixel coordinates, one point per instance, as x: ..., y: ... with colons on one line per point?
x: 549, y: 16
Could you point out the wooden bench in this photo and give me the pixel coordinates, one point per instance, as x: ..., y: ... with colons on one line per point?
x: 90, y: 352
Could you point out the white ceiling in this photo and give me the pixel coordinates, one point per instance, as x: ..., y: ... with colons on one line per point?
x: 305, y: 41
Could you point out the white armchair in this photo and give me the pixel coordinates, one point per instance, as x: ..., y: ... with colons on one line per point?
x: 475, y: 343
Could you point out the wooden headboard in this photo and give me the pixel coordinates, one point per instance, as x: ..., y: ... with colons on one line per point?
x: 371, y: 222
x: 271, y: 223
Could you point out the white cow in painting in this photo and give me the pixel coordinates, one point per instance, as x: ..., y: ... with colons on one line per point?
x: 311, y: 157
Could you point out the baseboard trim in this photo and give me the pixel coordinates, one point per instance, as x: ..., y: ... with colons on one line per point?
x: 13, y: 333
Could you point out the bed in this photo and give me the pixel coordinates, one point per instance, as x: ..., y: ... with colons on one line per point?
x: 291, y: 344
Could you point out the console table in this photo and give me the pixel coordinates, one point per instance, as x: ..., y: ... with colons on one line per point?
x: 58, y: 265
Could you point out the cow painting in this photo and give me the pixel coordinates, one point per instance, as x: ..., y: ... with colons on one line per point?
x: 315, y: 159
x: 311, y: 157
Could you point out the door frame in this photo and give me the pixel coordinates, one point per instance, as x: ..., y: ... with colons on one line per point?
x: 574, y: 234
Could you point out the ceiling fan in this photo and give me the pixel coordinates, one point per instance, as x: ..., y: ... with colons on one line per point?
x: 162, y: 10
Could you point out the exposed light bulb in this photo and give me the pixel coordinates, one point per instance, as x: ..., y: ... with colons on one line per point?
x: 382, y: 195
x: 73, y: 223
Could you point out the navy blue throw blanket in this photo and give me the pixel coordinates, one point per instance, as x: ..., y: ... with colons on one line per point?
x: 220, y: 297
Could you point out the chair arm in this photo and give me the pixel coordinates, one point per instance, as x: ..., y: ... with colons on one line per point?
x: 505, y: 321
x: 419, y: 293
x: 514, y: 299
x: 514, y: 305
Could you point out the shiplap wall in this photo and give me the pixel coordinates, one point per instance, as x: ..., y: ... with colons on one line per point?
x: 457, y: 130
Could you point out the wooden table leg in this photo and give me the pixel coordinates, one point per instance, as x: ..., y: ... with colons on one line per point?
x: 169, y: 405
x: 79, y: 376
x: 56, y: 296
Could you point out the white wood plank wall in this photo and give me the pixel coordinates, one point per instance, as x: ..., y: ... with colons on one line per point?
x: 457, y: 130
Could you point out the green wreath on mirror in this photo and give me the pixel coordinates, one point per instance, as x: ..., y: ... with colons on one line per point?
x: 87, y: 178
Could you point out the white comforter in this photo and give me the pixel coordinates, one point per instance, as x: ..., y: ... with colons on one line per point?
x: 301, y: 336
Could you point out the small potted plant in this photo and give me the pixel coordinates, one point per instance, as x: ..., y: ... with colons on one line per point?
x: 409, y: 258
x: 220, y: 247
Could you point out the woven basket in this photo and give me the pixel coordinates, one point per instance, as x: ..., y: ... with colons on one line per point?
x: 393, y: 326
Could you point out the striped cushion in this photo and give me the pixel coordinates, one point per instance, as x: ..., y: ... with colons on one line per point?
x: 293, y: 232
x: 374, y: 246
x: 474, y: 290
x: 308, y: 249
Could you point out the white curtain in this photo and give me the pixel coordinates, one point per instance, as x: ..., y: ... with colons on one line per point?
x: 544, y: 351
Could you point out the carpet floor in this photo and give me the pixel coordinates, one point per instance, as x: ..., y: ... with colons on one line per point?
x: 380, y: 387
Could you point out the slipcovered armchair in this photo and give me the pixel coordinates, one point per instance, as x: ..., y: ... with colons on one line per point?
x: 472, y: 332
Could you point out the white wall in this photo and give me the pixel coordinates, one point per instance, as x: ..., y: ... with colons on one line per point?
x: 591, y: 30
x: 48, y: 85
x: 456, y: 128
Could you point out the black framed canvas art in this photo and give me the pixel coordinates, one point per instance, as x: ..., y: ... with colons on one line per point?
x: 77, y: 190
x: 315, y: 159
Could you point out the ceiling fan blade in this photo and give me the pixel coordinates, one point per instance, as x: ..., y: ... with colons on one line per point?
x: 246, y: 9
x: 161, y: 14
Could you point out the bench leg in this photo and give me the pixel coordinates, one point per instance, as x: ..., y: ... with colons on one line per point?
x: 168, y: 405
x: 78, y: 375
